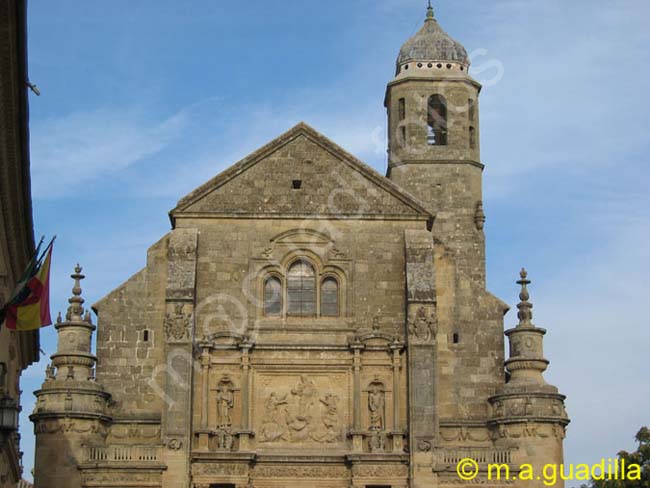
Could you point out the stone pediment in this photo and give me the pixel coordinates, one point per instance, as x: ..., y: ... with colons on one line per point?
x: 300, y: 174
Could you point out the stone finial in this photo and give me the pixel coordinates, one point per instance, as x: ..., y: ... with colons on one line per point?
x: 525, y: 313
x: 76, y: 310
x: 430, y: 14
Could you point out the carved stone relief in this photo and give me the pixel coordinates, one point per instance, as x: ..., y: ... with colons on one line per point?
x: 220, y: 469
x: 422, y: 327
x: 376, y: 442
x: 307, y: 412
x: 284, y: 471
x: 177, y: 324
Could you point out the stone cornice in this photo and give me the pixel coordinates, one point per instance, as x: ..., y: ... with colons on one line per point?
x: 69, y: 415
x: 300, y: 216
x: 428, y: 79
x: 405, y: 162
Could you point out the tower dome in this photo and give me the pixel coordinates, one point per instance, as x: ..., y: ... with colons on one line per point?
x: 432, y: 45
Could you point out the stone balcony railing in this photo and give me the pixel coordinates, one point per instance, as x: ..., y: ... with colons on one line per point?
x: 123, y: 454
x: 482, y: 455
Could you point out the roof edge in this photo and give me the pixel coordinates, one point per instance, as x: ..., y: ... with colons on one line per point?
x: 327, y: 144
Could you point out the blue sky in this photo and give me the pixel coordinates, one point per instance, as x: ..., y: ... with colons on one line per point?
x: 143, y: 101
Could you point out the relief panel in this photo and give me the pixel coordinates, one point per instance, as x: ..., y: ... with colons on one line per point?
x: 307, y: 409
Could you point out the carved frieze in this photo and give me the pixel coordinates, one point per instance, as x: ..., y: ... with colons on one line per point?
x: 219, y: 469
x: 283, y: 471
x: 114, y: 477
x: 65, y: 426
x: 464, y: 433
x: 130, y: 431
x: 527, y: 429
x: 537, y: 406
x: 379, y: 470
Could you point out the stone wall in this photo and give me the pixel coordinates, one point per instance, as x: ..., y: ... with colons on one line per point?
x: 128, y: 364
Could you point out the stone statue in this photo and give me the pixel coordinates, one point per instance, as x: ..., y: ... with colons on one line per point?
x: 376, y: 402
x: 50, y: 372
x: 225, y: 402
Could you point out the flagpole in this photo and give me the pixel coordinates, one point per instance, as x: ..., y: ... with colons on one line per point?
x: 40, y: 243
x: 45, y: 250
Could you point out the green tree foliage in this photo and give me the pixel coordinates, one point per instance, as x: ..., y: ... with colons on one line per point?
x: 641, y: 457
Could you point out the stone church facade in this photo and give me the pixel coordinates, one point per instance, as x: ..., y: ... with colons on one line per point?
x: 308, y: 322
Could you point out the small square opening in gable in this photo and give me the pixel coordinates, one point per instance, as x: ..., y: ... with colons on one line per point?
x: 296, y: 184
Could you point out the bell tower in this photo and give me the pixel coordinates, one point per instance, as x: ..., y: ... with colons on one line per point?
x: 433, y: 140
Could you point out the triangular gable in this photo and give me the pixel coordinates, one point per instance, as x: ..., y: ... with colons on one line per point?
x: 333, y: 183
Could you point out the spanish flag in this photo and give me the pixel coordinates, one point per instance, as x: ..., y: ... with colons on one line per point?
x: 29, y: 309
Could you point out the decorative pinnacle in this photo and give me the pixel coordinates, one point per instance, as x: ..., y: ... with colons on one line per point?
x: 525, y: 313
x: 430, y: 11
x: 75, y: 310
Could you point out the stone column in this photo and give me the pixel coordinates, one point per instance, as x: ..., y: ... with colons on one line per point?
x: 203, y: 433
x: 398, y: 431
x: 357, y: 436
x: 205, y: 373
x: 245, y: 434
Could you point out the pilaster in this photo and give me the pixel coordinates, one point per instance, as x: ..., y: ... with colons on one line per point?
x: 180, y: 362
x: 421, y: 332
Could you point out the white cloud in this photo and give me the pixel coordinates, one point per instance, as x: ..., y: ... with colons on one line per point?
x: 82, y: 146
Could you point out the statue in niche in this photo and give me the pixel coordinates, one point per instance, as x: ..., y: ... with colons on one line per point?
x: 330, y: 419
x: 274, y: 423
x: 225, y: 402
x: 376, y: 406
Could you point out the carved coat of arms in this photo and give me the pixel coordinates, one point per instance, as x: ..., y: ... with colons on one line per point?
x: 177, y: 325
x: 422, y: 328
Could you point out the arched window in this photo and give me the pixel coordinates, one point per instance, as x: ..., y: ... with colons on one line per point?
x: 437, y: 121
x: 329, y: 297
x: 472, y: 137
x: 272, y: 296
x: 301, y: 289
